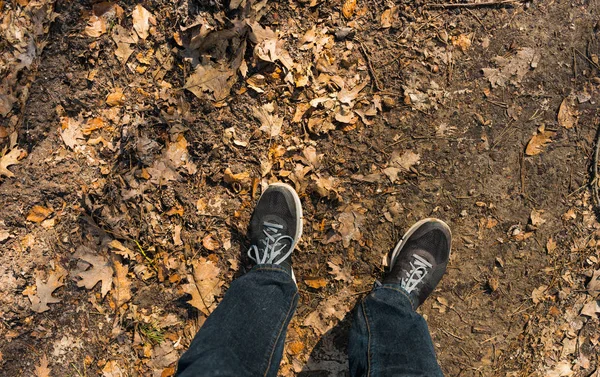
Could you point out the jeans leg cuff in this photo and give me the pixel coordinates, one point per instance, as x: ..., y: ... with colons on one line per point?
x: 406, y: 297
x: 274, y: 267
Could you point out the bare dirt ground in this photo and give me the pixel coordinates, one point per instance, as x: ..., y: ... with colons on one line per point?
x: 136, y: 138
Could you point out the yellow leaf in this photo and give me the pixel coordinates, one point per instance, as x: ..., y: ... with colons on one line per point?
x: 316, y: 283
x: 348, y: 8
x: 38, y: 214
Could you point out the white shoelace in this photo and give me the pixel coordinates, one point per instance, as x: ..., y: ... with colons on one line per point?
x: 273, y: 248
x: 418, y: 270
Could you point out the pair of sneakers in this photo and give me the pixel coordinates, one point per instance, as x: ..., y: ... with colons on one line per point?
x: 417, y: 263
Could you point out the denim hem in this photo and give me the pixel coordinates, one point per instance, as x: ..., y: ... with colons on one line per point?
x: 397, y: 288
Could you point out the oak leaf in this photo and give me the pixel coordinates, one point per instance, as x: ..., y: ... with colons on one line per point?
x: 122, y: 291
x: 43, y: 292
x: 204, y: 285
x: 215, y: 80
x: 142, y: 19
x: 99, y: 271
x: 42, y: 370
x: 10, y: 158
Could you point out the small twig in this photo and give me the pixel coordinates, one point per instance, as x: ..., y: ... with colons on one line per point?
x: 588, y: 59
x: 594, y: 182
x: 471, y: 5
x: 477, y: 18
x: 370, y: 66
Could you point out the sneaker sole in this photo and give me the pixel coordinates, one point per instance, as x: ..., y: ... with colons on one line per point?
x: 410, y: 232
x: 299, y: 217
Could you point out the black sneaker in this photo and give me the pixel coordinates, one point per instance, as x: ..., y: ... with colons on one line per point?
x: 276, y: 226
x: 419, y: 260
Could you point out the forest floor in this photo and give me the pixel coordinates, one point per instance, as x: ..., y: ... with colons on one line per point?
x: 135, y: 139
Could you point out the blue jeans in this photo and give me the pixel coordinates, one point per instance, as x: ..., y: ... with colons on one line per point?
x: 245, y: 334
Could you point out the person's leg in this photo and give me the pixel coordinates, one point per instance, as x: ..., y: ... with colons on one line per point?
x: 387, y: 337
x: 245, y: 335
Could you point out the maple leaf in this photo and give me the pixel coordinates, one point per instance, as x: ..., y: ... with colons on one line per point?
x: 100, y: 271
x: 10, y: 158
x: 43, y: 293
x: 122, y: 292
x: 42, y: 370
x: 204, y: 285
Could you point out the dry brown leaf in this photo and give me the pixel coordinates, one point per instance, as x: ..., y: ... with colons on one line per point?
x: 204, y: 285
x: 539, y: 294
x: 42, y: 370
x: 593, y: 286
x: 550, y: 245
x: 536, y: 217
x: 99, y: 271
x: 123, y: 52
x: 38, y: 213
x: 348, y: 8
x: 405, y: 161
x: 71, y: 132
x: 142, y: 19
x: 316, y: 283
x: 96, y: 26
x: 562, y: 369
x: 10, y: 158
x: 339, y: 273
x: 567, y: 113
x: 116, y: 98
x: 268, y: 47
x: 215, y: 80
x: 122, y: 291
x: 591, y: 309
x: 392, y: 173
x: 210, y: 243
x: 270, y: 123
x: 177, y: 241
x: 386, y: 18
x: 121, y: 249
x: 538, y: 142
x: 350, y: 225
x: 512, y: 69
x: 43, y: 292
x: 491, y: 222
x: 231, y: 178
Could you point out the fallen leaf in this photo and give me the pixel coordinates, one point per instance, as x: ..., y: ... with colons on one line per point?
x: 405, y: 161
x: 538, y: 142
x: 392, y: 173
x: 43, y: 292
x: 42, y: 370
x: 38, y: 213
x: 350, y: 223
x: 316, y: 283
x: 177, y: 236
x: 550, y: 245
x: 270, y: 123
x: 536, y: 217
x: 10, y: 158
x: 96, y: 26
x: 210, y: 243
x: 512, y: 69
x: 204, y: 285
x: 122, y: 291
x: 567, y: 113
x: 141, y: 21
x: 99, y: 271
x: 339, y: 273
x: 268, y: 47
x: 386, y: 18
x: 463, y: 42
x: 211, y: 79
x: 591, y: 309
x: 116, y: 98
x: 348, y: 8
x: 562, y: 369
x: 593, y: 286
x: 231, y: 178
x: 538, y: 294
x: 121, y: 249
x: 123, y: 52
x: 71, y: 132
